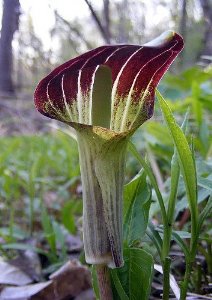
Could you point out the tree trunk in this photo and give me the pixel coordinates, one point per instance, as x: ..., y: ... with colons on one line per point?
x: 123, y: 34
x: 106, y: 13
x: 182, y: 28
x: 10, y: 22
x: 183, y: 19
x: 207, y: 12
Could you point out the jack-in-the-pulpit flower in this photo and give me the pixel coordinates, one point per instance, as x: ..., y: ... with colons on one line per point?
x: 105, y: 95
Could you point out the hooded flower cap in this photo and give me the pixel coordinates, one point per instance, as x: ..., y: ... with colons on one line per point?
x: 106, y: 94
x: 128, y: 73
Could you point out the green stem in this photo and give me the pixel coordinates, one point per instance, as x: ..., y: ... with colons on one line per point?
x: 199, y: 278
x: 209, y: 260
x: 104, y: 283
x: 175, y: 173
x: 189, y: 263
x: 166, y: 279
x: 184, y: 285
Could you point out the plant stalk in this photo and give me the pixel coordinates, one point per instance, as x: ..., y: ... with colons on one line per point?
x: 175, y: 174
x: 184, y: 286
x: 103, y: 277
x: 102, y: 163
x: 166, y: 280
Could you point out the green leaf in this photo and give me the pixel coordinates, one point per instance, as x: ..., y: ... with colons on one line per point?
x: 204, y: 137
x: 206, y: 212
x: 152, y: 178
x: 48, y: 229
x: 118, y: 291
x: 95, y: 282
x: 130, y: 190
x: 67, y: 216
x: 136, y: 275
x: 158, y: 132
x: 60, y: 238
x: 186, y: 160
x: 136, y: 219
x: 203, y: 194
x: 155, y: 237
x: 175, y: 175
x: 205, y: 183
x: 197, y: 105
x: 176, y: 237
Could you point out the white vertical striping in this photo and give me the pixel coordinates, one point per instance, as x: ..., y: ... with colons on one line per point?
x: 147, y: 88
x: 79, y: 94
x: 120, y: 48
x: 79, y: 97
x: 118, y: 76
x: 91, y: 94
x: 62, y: 71
x: 47, y: 91
x: 64, y: 97
x: 128, y: 102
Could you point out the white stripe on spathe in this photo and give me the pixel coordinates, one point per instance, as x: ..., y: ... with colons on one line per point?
x: 91, y: 95
x: 57, y: 111
x: 47, y: 91
x: 79, y: 93
x: 124, y: 120
x: 118, y: 76
x: 120, y: 48
x: 64, y: 98
x: 128, y: 102
x: 79, y: 98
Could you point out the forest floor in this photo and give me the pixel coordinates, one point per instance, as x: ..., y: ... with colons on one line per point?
x: 18, y: 116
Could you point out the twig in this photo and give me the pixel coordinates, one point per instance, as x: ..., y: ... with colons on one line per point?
x: 73, y: 29
x: 98, y: 22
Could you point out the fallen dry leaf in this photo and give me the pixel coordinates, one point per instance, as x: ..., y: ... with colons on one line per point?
x: 12, y: 275
x: 69, y: 281
x: 29, y: 262
x: 86, y: 295
x: 24, y: 292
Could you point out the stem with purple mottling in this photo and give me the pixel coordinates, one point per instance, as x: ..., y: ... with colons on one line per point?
x: 103, y: 278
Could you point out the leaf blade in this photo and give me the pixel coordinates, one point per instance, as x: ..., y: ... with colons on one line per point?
x: 186, y: 160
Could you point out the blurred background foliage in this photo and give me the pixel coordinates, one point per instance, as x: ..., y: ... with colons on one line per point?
x: 36, y: 50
